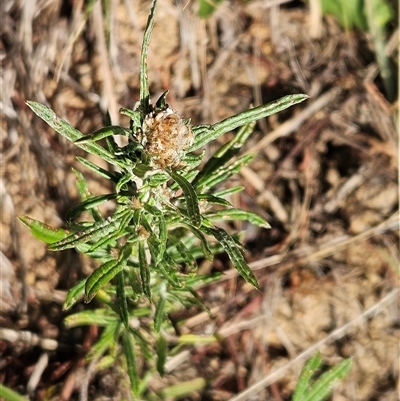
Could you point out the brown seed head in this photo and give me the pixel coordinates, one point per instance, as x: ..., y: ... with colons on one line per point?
x: 165, y: 136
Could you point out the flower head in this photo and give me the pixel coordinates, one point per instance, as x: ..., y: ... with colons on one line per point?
x: 165, y: 136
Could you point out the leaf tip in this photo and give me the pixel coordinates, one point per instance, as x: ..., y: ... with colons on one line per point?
x: 88, y: 297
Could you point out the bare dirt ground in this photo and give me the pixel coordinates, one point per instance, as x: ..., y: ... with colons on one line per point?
x: 326, y: 178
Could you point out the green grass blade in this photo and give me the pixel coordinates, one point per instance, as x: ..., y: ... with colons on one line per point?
x: 230, y: 123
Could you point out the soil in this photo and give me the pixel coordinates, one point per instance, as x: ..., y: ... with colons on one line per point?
x: 325, y: 177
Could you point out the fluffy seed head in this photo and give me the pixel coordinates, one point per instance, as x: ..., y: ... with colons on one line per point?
x: 165, y: 136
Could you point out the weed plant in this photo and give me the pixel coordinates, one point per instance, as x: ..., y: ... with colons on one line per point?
x: 164, y: 221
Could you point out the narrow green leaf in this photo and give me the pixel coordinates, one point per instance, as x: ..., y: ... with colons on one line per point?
x: 112, y: 146
x: 74, y: 294
x: 108, y: 339
x: 66, y: 130
x: 98, y: 170
x: 10, y: 395
x: 104, y: 242
x: 162, y: 230
x: 183, y: 251
x: 100, y: 317
x: 81, y: 185
x: 121, y: 299
x: 222, y: 156
x: 101, y: 276
x: 238, y: 141
x: 322, y: 387
x: 161, y: 103
x: 103, y: 133
x: 144, y: 271
x: 228, y: 191
x: 158, y: 179
x: 43, y: 232
x: 88, y: 204
x: 135, y: 117
x: 98, y: 229
x: 108, y: 270
x: 207, y: 7
x: 192, y: 203
x: 144, y: 82
x: 237, y: 214
x: 141, y: 341
x: 204, y: 244
x: 162, y: 347
x: 156, y: 247
x: 236, y: 257
x: 129, y: 353
x: 194, y: 339
x: 223, y: 173
x: 187, y: 175
x: 307, y: 372
x: 215, y: 200
x: 159, y: 315
x: 84, y: 193
x: 182, y: 389
x: 245, y: 117
x: 191, y: 161
x: 167, y: 272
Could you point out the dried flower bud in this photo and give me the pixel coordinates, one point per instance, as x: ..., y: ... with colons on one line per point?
x: 165, y: 136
